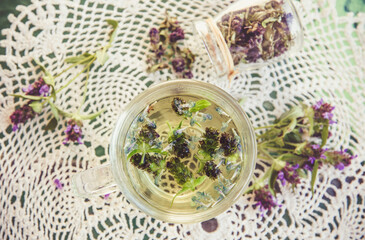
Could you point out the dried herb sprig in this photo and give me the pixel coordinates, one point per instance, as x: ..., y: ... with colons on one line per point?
x: 183, y: 176
x: 166, y: 52
x: 191, y: 110
x: 146, y: 143
x: 43, y: 92
x: 208, y: 147
x: 294, y: 146
x: 178, y: 141
x: 260, y: 32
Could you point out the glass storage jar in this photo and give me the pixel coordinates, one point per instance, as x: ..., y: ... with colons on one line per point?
x: 249, y: 34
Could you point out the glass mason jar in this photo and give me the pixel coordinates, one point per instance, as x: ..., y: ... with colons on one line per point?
x: 249, y: 34
x: 137, y: 186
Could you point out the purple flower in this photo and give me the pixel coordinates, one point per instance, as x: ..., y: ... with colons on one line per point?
x: 264, y: 199
x: 106, y: 196
x: 188, y: 75
x: 341, y: 159
x: 323, y: 111
x: 160, y: 51
x: 289, y: 174
x: 288, y: 18
x: 154, y: 36
x: 280, y: 48
x: 253, y: 54
x: 315, y: 146
x: 73, y: 132
x: 28, y: 89
x: 313, y: 152
x: 38, y: 88
x: 21, y: 115
x: 318, y: 105
x: 178, y: 64
x: 44, y: 90
x: 177, y: 34
x: 340, y: 166
x: 58, y: 184
x: 311, y: 160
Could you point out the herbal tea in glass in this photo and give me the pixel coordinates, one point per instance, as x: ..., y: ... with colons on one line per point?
x: 184, y: 152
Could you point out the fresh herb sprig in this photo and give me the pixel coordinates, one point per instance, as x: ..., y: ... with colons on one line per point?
x: 166, y: 52
x: 294, y: 146
x: 44, y: 92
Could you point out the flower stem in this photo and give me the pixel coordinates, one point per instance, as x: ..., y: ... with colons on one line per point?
x: 85, y: 89
x: 73, y: 65
x: 263, y: 127
x: 264, y: 152
x: 73, y: 79
x: 279, y: 149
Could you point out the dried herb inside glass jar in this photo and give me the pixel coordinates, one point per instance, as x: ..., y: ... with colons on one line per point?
x: 248, y: 34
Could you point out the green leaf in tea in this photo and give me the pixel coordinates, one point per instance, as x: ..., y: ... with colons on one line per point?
x: 190, y: 184
x: 200, y: 105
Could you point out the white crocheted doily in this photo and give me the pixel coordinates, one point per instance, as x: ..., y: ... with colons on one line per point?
x: 331, y: 66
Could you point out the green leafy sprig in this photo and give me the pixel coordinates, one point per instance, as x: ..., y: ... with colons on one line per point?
x: 294, y: 147
x: 38, y: 101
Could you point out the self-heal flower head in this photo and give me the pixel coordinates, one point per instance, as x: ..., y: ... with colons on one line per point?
x: 178, y: 64
x: 73, y: 132
x: 289, y: 174
x: 154, y: 36
x: 38, y: 88
x: 323, y: 111
x: 340, y: 159
x: 313, y: 152
x: 177, y: 34
x: 21, y: 115
x: 211, y: 170
x: 318, y: 152
x: 264, y: 199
